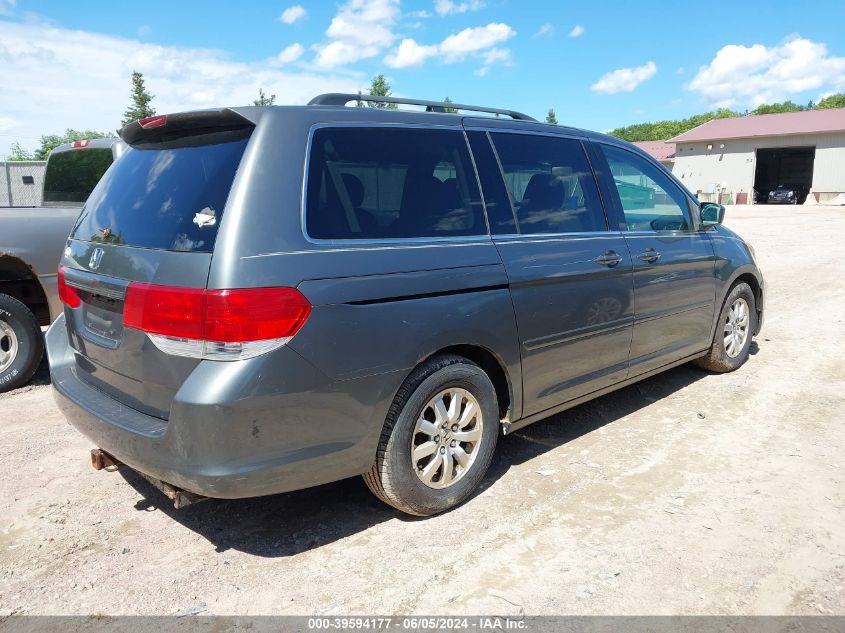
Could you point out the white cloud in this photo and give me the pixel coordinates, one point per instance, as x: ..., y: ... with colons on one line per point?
x: 293, y: 14
x: 449, y: 7
x: 88, y: 74
x: 409, y: 54
x: 545, y: 30
x: 477, y: 42
x: 7, y: 7
x: 456, y: 47
x: 577, y: 31
x: 495, y: 55
x: 7, y: 124
x: 290, y: 53
x: 145, y: 30
x: 421, y: 14
x: 751, y: 75
x: 624, y: 79
x: 360, y: 29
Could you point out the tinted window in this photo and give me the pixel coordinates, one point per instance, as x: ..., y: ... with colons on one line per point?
x: 649, y: 199
x: 551, y: 184
x: 170, y: 198
x: 388, y: 182
x: 72, y: 175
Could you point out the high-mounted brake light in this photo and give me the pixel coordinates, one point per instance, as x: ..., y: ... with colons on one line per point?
x: 215, y: 324
x: 151, y: 122
x: 80, y: 144
x: 67, y: 294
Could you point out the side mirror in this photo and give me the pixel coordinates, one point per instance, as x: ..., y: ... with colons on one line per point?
x: 712, y: 214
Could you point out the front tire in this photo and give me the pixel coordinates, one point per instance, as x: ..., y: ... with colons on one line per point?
x: 21, y: 343
x: 438, y: 439
x: 732, y: 339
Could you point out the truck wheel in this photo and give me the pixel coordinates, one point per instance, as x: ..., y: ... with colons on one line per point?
x: 438, y: 438
x: 732, y: 340
x: 21, y: 343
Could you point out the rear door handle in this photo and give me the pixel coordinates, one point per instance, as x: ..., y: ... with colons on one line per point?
x: 609, y: 259
x: 650, y: 255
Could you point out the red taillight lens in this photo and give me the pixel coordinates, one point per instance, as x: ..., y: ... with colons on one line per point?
x: 164, y: 310
x: 80, y: 144
x: 253, y: 314
x: 67, y: 294
x: 226, y: 316
x: 151, y: 122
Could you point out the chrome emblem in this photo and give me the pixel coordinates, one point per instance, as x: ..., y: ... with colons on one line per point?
x: 96, y: 258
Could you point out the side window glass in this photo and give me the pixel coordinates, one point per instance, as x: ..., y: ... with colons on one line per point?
x: 650, y: 200
x: 389, y: 182
x: 551, y: 184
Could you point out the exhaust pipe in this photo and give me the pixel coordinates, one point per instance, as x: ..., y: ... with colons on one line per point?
x: 101, y: 460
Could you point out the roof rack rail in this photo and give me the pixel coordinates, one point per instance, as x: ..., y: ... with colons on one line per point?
x: 342, y: 98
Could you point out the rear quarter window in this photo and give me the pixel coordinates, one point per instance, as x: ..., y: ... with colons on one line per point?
x: 72, y: 175
x: 163, y: 197
x: 389, y: 182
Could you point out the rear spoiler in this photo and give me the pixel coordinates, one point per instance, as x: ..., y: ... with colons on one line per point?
x: 186, y: 126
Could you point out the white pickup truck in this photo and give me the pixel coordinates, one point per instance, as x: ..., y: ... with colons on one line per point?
x: 31, y: 243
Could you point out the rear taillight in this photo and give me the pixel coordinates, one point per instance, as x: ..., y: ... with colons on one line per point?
x: 67, y: 294
x: 80, y: 144
x: 215, y: 324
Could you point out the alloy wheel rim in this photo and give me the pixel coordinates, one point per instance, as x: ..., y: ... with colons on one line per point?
x: 446, y: 437
x: 736, y: 327
x: 8, y: 346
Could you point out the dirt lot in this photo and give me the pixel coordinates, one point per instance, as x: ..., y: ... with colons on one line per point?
x: 688, y: 493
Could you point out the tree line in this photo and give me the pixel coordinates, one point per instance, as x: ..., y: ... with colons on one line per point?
x: 663, y: 130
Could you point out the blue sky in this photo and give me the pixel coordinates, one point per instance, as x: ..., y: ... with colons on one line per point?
x: 599, y: 64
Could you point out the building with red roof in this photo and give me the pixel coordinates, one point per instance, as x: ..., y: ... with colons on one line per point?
x: 743, y: 158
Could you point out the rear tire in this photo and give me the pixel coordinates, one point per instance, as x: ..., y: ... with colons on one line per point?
x: 21, y: 343
x: 734, y: 331
x: 438, y: 439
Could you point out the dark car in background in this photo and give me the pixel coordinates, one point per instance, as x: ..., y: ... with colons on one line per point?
x: 263, y: 299
x: 787, y: 194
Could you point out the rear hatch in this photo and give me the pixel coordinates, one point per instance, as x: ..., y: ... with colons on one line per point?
x: 151, y: 222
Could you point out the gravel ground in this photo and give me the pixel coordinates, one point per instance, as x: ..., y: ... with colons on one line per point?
x: 687, y: 493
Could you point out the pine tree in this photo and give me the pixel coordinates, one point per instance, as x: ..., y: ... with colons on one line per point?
x: 140, y: 106
x: 551, y: 117
x: 447, y: 108
x: 381, y: 88
x: 263, y: 99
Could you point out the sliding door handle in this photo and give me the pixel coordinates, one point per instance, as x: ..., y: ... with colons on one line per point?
x: 609, y: 259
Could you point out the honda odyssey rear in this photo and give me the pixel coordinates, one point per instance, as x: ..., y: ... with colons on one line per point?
x: 264, y: 299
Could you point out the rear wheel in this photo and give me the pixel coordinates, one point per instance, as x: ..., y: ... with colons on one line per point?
x: 732, y: 340
x: 438, y: 438
x: 21, y: 343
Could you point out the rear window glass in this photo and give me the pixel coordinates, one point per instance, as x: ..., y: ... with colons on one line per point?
x: 169, y: 197
x: 372, y: 183
x: 72, y: 175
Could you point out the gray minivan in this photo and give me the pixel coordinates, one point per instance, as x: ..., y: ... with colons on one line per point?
x: 263, y: 299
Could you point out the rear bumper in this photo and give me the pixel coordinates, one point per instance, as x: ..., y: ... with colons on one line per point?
x: 263, y: 426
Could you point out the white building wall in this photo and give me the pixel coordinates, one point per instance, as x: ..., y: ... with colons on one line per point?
x: 732, y: 166
x: 13, y: 191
